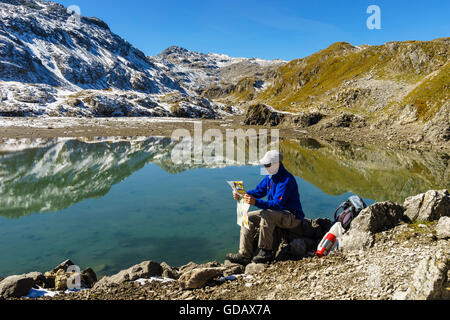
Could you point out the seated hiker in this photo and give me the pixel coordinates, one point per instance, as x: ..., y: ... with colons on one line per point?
x: 282, y: 209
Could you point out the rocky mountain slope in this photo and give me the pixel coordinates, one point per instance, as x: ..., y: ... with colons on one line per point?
x: 397, y: 85
x: 58, y: 63
x: 197, y: 71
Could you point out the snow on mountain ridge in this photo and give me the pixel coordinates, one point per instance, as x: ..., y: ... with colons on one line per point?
x: 197, y: 71
x: 78, y: 53
x: 55, y: 63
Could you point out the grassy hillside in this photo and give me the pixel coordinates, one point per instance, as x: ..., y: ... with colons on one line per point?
x: 357, y: 78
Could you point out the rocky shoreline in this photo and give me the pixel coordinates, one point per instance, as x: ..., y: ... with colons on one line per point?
x: 349, y: 132
x: 392, y: 251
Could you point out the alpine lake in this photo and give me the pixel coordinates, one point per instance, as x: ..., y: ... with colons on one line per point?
x: 112, y: 203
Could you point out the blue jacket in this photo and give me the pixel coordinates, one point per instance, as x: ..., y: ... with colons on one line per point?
x: 282, y: 194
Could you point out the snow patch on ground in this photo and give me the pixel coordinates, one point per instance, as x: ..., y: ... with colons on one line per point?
x: 159, y: 279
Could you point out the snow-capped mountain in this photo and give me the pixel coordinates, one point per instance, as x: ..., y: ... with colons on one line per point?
x: 196, y: 71
x: 44, y: 42
x: 56, y: 62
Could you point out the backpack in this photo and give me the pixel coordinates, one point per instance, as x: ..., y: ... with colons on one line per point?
x: 350, y: 210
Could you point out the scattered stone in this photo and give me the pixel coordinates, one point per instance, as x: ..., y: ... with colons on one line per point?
x: 232, y: 268
x: 429, y: 280
x: 253, y: 268
x: 428, y: 206
x: 355, y: 240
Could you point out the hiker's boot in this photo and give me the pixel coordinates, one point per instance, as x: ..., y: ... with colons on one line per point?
x: 238, y: 258
x: 263, y: 256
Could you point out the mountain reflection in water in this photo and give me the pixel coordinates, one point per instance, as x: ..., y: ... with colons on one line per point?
x: 50, y: 175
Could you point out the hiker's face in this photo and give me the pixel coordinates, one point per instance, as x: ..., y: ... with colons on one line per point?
x: 273, y: 169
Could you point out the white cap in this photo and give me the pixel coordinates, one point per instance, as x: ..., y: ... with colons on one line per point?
x: 271, y: 157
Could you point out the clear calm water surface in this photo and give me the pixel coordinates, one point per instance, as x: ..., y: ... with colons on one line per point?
x: 110, y: 205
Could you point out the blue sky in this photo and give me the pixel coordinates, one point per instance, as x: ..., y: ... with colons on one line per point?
x: 265, y: 29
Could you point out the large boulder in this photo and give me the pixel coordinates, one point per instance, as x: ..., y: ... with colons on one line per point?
x: 169, y: 272
x: 443, y: 228
x: 61, y: 280
x: 428, y: 206
x: 58, y: 277
x: 38, y: 279
x: 198, y: 277
x: 430, y: 279
x: 262, y: 115
x: 146, y: 269
x: 194, y: 276
x: 16, y: 286
x: 376, y: 218
x: 305, y: 120
x: 63, y: 266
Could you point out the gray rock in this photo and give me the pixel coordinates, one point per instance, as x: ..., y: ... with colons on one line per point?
x: 191, y: 266
x: 198, y: 277
x: 253, y: 268
x: 299, y: 247
x: 262, y: 115
x: 378, y: 217
x: 169, y: 272
x: 443, y: 228
x: 187, y: 267
x: 144, y: 270
x: 16, y: 286
x: 429, y: 280
x: 232, y: 268
x: 38, y: 278
x: 428, y: 206
x: 355, y: 240
x: 63, y: 266
x: 74, y: 102
x: 88, y: 278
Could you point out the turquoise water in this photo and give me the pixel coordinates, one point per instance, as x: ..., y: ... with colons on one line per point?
x: 145, y: 214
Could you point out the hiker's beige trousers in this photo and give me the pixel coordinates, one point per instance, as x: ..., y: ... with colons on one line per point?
x: 267, y: 221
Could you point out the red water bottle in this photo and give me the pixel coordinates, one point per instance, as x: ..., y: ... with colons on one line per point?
x: 325, y: 246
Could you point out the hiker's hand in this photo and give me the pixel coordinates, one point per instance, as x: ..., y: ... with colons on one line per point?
x: 249, y: 199
x: 236, y: 195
